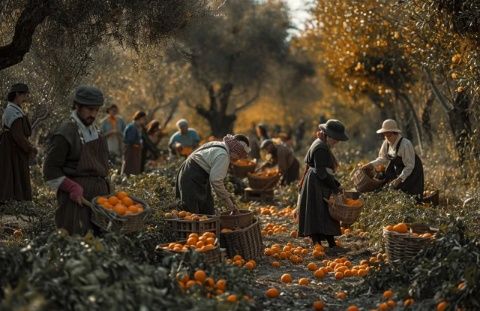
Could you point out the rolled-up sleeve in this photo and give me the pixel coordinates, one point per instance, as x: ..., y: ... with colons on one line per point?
x: 407, y: 153
x: 382, y: 156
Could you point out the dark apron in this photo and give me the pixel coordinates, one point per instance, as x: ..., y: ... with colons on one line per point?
x: 132, y: 164
x: 292, y: 174
x: 91, y: 173
x: 415, y: 182
x: 192, y: 187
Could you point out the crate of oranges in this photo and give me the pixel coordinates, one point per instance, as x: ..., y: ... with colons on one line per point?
x: 183, y: 223
x: 265, y: 179
x: 205, y: 243
x: 119, y: 212
x: 240, y: 168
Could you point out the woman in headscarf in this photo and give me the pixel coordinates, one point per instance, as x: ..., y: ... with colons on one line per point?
x: 206, y: 168
x: 404, y: 168
x: 151, y: 135
x: 319, y: 183
x: 284, y: 157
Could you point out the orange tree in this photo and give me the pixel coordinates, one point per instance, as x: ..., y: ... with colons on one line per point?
x: 358, y: 46
x: 441, y: 38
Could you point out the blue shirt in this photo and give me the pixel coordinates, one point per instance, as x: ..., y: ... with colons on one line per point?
x: 190, y: 139
x: 132, y: 136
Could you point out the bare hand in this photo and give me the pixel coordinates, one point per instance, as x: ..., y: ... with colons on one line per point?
x: 396, y: 183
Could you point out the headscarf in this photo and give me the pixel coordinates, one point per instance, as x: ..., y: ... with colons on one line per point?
x: 238, y: 148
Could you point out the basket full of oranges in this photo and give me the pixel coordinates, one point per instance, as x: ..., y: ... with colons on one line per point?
x: 120, y: 212
x: 344, y: 209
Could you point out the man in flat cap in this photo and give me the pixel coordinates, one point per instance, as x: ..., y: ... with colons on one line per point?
x: 76, y: 164
x: 15, y: 149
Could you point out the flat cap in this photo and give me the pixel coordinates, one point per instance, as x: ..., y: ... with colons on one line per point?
x: 88, y: 96
x: 19, y: 87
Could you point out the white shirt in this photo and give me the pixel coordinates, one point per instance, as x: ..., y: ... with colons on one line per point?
x: 406, y: 152
x: 215, y: 161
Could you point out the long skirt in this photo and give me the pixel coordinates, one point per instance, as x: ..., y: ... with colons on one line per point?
x: 292, y: 174
x: 314, y: 217
x: 132, y: 163
x: 193, y: 188
x: 76, y: 218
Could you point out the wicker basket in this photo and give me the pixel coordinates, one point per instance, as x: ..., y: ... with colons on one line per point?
x: 182, y: 228
x: 111, y: 222
x: 242, y: 171
x: 262, y: 183
x: 432, y: 198
x: 246, y: 242
x: 365, y: 182
x: 341, y: 212
x: 213, y: 256
x: 402, y: 246
x: 241, y: 220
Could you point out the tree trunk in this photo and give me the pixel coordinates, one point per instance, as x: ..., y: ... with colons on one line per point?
x: 426, y: 119
x: 33, y: 15
x: 460, y: 124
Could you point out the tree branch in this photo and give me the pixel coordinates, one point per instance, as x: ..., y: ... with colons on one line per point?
x: 33, y: 15
x: 446, y: 106
x: 251, y: 100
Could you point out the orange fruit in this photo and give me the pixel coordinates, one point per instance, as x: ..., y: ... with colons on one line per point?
x: 319, y: 274
x: 388, y: 294
x: 127, y: 201
x: 107, y: 205
x: 391, y: 304
x: 286, y: 278
x: 221, y: 284
x: 237, y: 257
x: 352, y: 308
x: 362, y: 272
x: 249, y: 266
x: 339, y: 275
x: 275, y: 264
x: 341, y: 295
x: 200, y: 276
x: 113, y: 201
x: 120, y: 209
x: 294, y: 234
x: 304, y: 281
x: 101, y: 200
x: 210, y: 241
x: 318, y: 305
x: 190, y: 283
x: 132, y: 209
x: 312, y: 266
x: 383, y: 307
x: 389, y: 228
x: 121, y: 194
x: 232, y: 298
x: 272, y: 292
x: 400, y: 228
x: 461, y: 286
x: 442, y: 306
x: 210, y: 282
x: 199, y: 244
x: 182, y: 214
x: 408, y: 302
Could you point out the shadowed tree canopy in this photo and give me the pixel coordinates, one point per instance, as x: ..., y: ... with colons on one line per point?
x: 128, y: 21
x: 230, y: 57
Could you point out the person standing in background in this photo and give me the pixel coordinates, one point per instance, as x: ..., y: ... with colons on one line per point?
x: 151, y: 135
x: 185, y: 140
x: 15, y: 149
x: 132, y: 161
x: 113, y: 127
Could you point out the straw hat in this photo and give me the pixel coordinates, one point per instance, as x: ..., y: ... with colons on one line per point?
x: 389, y: 125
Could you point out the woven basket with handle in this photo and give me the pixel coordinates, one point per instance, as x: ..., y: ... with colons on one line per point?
x: 365, y: 182
x: 402, y: 246
x: 246, y: 242
x: 339, y: 211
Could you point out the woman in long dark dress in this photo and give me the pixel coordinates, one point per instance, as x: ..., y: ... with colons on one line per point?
x: 318, y: 184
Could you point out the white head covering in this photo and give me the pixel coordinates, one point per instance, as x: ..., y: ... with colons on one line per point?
x: 182, y: 123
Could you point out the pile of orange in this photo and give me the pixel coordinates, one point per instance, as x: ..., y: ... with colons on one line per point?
x: 352, y: 202
x: 292, y: 253
x: 121, y: 204
x: 271, y: 229
x: 266, y: 173
x: 244, y: 162
x: 286, y: 212
x: 342, y: 268
x: 239, y: 261
x: 203, y: 243
x: 174, y: 214
x: 403, y: 228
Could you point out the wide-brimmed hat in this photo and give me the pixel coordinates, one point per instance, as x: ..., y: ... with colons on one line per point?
x: 334, y: 129
x: 19, y: 87
x: 88, y: 96
x: 388, y: 126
